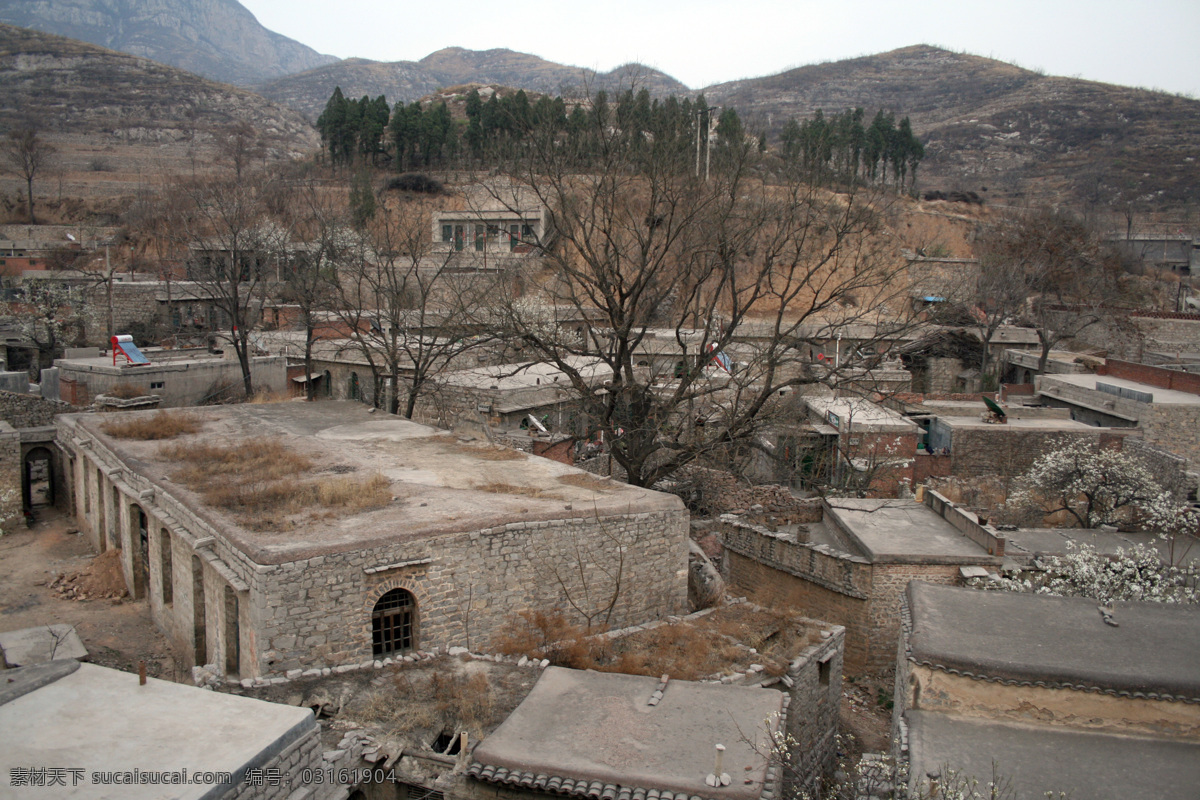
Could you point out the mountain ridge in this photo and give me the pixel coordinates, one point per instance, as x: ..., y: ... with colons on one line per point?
x: 216, y: 39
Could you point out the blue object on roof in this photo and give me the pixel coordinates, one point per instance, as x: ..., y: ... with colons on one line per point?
x: 129, y: 350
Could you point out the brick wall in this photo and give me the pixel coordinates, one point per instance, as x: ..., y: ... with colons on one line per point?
x: 1155, y: 376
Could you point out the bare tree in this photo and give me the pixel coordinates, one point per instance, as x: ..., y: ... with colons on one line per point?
x: 27, y: 154
x: 745, y: 275
x: 1058, y: 270
x: 405, y: 304
x: 235, y: 248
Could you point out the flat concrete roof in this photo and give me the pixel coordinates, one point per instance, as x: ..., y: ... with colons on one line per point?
x: 440, y: 482
x: 100, y: 720
x: 904, y: 530
x: 599, y: 726
x: 38, y: 645
x: 1025, y: 543
x: 1037, y: 760
x: 1012, y: 636
x: 1017, y: 424
x: 1161, y: 396
x: 862, y: 415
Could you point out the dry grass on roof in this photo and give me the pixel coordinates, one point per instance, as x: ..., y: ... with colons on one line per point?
x: 489, y: 453
x: 719, y: 643
x: 263, y: 482
x: 162, y: 425
x: 586, y: 480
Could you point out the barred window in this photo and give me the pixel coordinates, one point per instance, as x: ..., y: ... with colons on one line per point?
x: 394, y: 623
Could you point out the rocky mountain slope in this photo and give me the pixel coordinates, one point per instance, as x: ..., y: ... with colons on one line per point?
x: 410, y: 80
x: 219, y: 39
x: 1010, y: 134
x: 118, y: 121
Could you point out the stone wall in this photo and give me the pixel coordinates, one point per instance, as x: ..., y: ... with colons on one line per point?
x: 812, y: 716
x: 1010, y: 451
x: 303, y: 752
x: 30, y: 411
x: 721, y: 493
x: 775, y: 570
x: 469, y: 586
x: 11, y: 468
x: 941, y: 375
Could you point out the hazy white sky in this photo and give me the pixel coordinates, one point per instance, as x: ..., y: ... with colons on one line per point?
x: 1154, y: 44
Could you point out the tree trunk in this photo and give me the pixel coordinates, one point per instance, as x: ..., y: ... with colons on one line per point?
x: 309, y: 391
x: 29, y: 199
x: 241, y: 346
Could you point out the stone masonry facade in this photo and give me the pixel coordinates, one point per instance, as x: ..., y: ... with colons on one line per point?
x: 218, y: 606
x: 775, y: 570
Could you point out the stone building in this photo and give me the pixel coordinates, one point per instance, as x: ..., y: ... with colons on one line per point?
x: 1050, y: 693
x: 177, y: 377
x: 871, y: 447
x: 850, y: 564
x: 94, y: 732
x: 1163, y: 404
x: 471, y: 535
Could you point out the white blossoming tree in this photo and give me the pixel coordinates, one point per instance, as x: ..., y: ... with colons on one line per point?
x: 1094, y: 485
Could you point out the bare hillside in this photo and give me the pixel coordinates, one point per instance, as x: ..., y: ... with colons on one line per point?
x: 1008, y: 133
x: 118, y: 121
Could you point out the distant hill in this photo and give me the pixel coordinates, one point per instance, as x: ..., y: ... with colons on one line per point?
x: 406, y: 81
x: 118, y: 121
x: 219, y: 39
x: 1010, y: 134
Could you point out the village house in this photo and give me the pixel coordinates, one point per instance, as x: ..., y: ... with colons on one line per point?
x: 461, y: 538
x: 1048, y: 694
x: 84, y: 731
x: 850, y: 560
x: 1164, y: 404
x: 865, y: 445
x: 176, y: 377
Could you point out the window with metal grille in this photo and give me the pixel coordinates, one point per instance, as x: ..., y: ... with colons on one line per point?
x: 410, y: 791
x: 394, y: 623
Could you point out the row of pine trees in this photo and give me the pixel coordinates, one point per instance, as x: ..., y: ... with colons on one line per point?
x: 415, y: 136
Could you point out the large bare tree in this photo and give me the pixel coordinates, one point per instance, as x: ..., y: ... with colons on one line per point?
x: 405, y: 303
x: 1047, y: 270
x: 235, y: 249
x: 746, y: 274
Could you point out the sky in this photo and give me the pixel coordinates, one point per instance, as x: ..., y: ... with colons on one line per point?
x: 1152, y: 44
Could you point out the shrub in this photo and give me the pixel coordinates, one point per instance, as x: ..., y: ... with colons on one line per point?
x: 415, y: 182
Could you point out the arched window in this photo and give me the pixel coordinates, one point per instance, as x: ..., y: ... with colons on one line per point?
x: 328, y: 379
x: 394, y: 623
x: 355, y: 392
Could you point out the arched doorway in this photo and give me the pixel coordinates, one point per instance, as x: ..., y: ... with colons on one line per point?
x: 328, y: 381
x: 139, y: 535
x: 200, y: 635
x: 233, y: 635
x: 166, y: 573
x: 394, y: 623
x: 37, y: 480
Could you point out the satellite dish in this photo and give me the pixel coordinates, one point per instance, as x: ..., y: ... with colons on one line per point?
x: 994, y: 407
x: 69, y: 236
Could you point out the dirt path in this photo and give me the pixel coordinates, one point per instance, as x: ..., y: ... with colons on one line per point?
x: 117, y: 633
